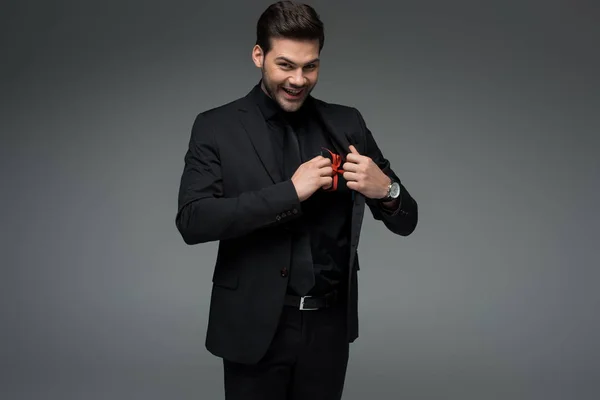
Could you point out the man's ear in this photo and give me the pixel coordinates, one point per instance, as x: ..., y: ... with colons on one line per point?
x: 258, y: 56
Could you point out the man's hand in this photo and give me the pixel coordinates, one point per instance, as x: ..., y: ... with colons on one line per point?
x: 364, y: 176
x: 312, y: 175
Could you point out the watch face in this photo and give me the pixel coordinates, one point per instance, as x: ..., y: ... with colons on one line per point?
x: 395, y: 190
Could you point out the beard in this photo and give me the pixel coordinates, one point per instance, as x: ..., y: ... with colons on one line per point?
x: 274, y: 92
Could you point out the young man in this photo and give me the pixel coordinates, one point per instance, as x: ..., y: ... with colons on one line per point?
x: 281, y: 180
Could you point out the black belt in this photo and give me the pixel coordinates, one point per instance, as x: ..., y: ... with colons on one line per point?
x: 312, y: 302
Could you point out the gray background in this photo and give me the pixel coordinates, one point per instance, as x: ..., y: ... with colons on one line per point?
x: 487, y: 111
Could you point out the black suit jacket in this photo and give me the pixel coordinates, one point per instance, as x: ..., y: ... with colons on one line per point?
x: 232, y: 191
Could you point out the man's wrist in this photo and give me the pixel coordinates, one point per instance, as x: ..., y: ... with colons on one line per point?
x: 386, y: 191
x: 389, y: 204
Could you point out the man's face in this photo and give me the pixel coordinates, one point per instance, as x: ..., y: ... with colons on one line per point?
x: 290, y: 70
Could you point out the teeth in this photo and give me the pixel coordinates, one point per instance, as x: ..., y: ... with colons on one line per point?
x: 292, y: 91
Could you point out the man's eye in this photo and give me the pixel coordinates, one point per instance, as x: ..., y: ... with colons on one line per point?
x: 285, y: 66
x: 311, y: 66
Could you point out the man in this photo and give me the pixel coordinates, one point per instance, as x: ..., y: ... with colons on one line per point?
x: 281, y: 180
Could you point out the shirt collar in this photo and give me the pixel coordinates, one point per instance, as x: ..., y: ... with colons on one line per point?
x: 268, y: 107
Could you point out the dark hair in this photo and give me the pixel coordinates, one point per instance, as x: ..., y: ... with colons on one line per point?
x: 287, y: 19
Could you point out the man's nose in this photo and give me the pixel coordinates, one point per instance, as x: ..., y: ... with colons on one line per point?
x: 297, y: 78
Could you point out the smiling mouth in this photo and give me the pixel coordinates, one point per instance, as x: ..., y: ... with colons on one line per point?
x: 292, y: 92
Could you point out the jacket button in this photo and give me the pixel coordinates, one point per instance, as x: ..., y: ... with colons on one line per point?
x: 295, y: 211
x: 278, y: 217
x: 284, y: 272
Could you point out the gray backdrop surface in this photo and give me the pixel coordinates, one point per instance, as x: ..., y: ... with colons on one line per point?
x: 488, y: 111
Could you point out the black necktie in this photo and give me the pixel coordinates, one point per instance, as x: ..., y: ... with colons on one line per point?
x: 302, y: 277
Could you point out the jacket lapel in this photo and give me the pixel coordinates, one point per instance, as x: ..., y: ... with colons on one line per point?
x: 338, y: 137
x: 341, y: 143
x: 256, y: 128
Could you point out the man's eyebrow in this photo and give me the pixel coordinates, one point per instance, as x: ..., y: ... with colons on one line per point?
x: 281, y: 58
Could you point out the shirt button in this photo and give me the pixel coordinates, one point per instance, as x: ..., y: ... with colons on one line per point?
x: 284, y: 272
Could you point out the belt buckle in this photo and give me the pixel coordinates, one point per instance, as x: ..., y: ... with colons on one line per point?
x: 302, y: 304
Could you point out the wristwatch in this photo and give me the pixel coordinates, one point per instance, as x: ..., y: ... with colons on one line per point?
x: 393, y: 191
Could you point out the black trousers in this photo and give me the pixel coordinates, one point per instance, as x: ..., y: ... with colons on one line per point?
x: 306, y: 360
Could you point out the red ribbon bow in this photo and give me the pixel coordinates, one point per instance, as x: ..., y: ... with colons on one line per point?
x: 336, y: 165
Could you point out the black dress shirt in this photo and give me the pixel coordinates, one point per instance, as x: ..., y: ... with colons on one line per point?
x: 327, y: 214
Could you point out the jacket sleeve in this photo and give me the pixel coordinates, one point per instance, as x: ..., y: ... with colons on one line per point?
x: 403, y: 220
x: 204, y: 214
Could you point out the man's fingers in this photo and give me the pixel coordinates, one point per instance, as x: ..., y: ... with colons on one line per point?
x: 350, y: 176
x: 316, y: 159
x: 326, y: 171
x: 354, y: 157
x: 352, y: 185
x: 323, y: 162
x: 326, y: 182
x: 349, y: 166
x: 353, y: 150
